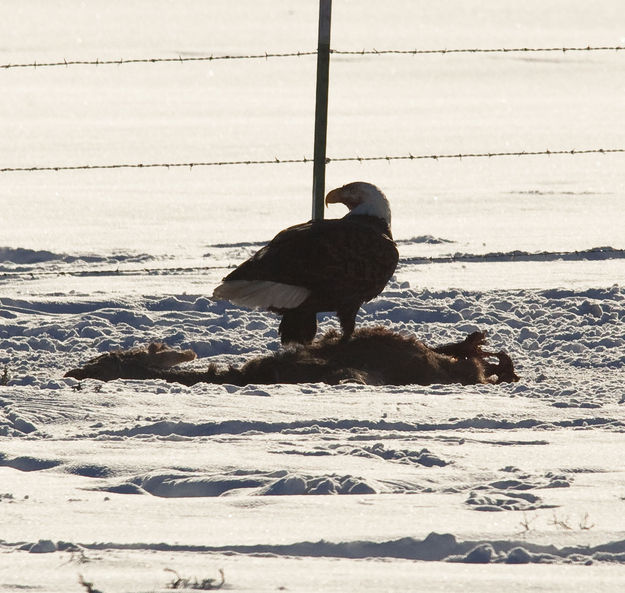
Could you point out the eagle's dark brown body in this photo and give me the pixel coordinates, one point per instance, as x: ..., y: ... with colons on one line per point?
x: 343, y: 263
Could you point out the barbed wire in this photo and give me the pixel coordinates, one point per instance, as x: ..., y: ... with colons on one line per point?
x: 159, y: 165
x: 277, y: 161
x: 179, y: 59
x: 299, y: 54
x: 475, y: 50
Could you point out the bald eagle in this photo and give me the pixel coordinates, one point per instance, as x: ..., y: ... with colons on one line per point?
x: 330, y: 265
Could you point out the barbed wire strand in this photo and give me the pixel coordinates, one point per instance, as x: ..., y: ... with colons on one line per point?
x: 475, y: 50
x: 299, y: 54
x: 360, y: 159
x: 179, y: 59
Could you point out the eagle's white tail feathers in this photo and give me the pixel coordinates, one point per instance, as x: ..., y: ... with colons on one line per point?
x: 261, y: 294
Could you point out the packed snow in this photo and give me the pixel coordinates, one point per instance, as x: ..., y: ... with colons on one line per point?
x: 140, y: 486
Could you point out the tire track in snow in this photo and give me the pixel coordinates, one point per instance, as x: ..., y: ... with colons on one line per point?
x: 237, y: 427
x: 34, y: 265
x: 435, y: 547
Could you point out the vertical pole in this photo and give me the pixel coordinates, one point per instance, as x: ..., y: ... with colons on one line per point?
x: 321, y: 108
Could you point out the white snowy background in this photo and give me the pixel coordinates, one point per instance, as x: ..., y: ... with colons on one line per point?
x: 311, y: 487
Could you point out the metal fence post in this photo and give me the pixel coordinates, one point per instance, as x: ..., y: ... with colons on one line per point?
x: 321, y: 108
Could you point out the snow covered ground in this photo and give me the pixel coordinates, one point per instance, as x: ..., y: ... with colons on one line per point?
x: 311, y: 487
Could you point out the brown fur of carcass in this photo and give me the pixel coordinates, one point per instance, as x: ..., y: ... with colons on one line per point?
x: 373, y: 356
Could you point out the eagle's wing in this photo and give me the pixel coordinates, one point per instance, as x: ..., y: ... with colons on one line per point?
x: 330, y: 259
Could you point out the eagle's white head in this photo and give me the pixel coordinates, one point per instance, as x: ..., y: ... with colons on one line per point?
x: 362, y: 198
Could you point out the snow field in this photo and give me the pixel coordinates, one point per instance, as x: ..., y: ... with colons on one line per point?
x: 532, y: 466
x: 309, y: 487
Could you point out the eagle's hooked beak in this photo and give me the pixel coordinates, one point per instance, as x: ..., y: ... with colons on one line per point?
x: 333, y: 196
x: 338, y: 195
